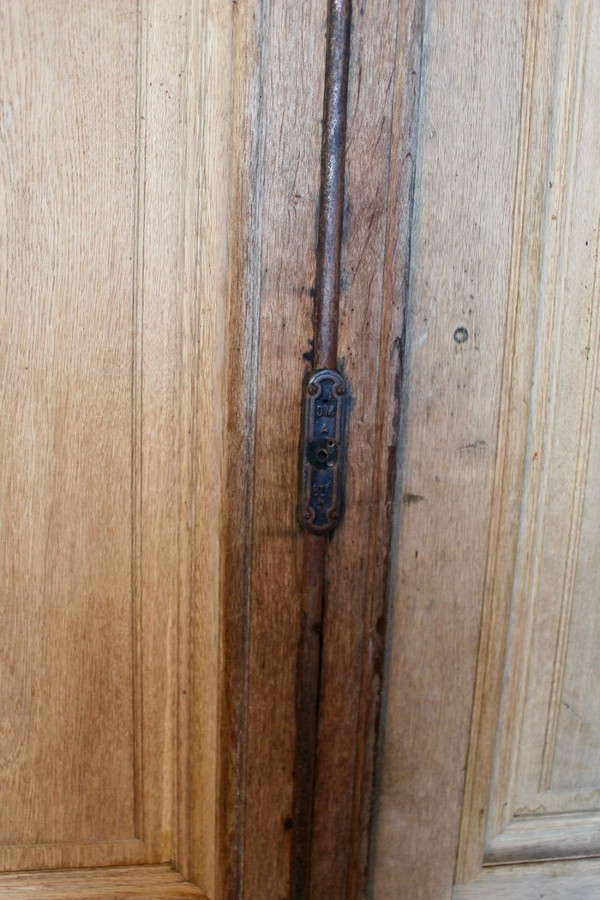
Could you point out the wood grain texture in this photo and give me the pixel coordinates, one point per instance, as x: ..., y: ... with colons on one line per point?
x: 113, y: 296
x: 547, y: 881
x: 157, y: 462
x: 178, y: 251
x: 66, y: 367
x: 456, y: 319
x: 396, y: 259
x: 554, y: 758
x: 534, y: 669
x: 384, y: 75
x: 204, y: 290
x: 528, y: 213
x: 292, y: 56
x: 137, y: 883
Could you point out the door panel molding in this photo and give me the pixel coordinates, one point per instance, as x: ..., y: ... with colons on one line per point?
x: 131, y: 279
x: 533, y: 788
x: 468, y: 131
x: 492, y: 713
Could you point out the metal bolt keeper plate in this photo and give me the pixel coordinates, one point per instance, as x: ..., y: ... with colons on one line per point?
x: 322, y: 451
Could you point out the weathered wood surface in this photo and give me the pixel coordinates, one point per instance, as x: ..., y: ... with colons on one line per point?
x: 546, y: 881
x: 535, y: 755
x: 383, y: 89
x: 456, y: 320
x: 277, y: 274
x: 90, y: 367
x: 160, y: 201
x: 492, y: 720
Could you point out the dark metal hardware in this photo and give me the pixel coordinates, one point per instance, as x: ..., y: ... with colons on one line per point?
x: 321, y: 487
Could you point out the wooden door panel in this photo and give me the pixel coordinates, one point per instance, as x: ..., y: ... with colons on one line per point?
x: 541, y: 758
x: 498, y: 601
x: 536, y: 881
x: 456, y: 311
x: 159, y: 164
x: 70, y: 477
x: 103, y: 431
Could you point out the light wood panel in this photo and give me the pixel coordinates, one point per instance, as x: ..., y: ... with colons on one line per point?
x: 206, y: 157
x: 67, y: 400
x: 456, y: 319
x: 113, y: 295
x: 499, y: 493
x: 535, y: 760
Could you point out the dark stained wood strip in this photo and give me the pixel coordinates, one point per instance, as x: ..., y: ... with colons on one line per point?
x: 384, y: 84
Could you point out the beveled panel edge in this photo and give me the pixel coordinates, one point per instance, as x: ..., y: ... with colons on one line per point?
x: 553, y: 881
x: 512, y: 575
x: 508, y: 479
x: 536, y: 838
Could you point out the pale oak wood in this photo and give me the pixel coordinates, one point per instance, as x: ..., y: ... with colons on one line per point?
x: 138, y: 883
x: 68, y: 560
x: 517, y: 377
x: 532, y: 781
x: 207, y: 155
x: 460, y: 263
x: 548, y: 836
x: 114, y: 294
x: 540, y: 779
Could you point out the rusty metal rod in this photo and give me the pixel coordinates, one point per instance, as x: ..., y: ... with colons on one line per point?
x: 331, y: 208
x: 327, y: 299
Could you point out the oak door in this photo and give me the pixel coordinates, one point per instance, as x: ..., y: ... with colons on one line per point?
x: 111, y: 396
x: 490, y: 784
x: 159, y: 180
